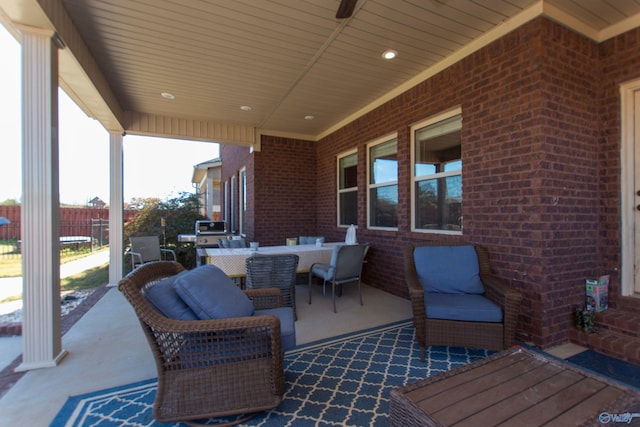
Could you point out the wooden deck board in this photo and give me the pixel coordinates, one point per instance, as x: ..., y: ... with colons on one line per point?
x: 500, y: 403
x: 515, y: 387
x: 424, y: 393
x: 477, y: 381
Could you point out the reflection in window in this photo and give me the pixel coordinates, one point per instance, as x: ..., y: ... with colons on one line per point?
x: 438, y: 175
x: 383, y: 184
x: 348, y: 190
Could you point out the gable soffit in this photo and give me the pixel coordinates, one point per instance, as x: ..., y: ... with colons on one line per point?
x: 106, y: 71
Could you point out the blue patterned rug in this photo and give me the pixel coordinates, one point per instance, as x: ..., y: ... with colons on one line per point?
x: 339, y: 381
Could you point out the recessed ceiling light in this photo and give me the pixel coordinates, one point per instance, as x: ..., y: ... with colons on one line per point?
x: 168, y: 95
x: 389, y: 54
x: 245, y: 108
x: 309, y: 117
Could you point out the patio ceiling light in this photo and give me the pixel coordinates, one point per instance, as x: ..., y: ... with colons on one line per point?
x: 309, y: 117
x: 389, y: 54
x: 168, y: 95
x: 245, y: 108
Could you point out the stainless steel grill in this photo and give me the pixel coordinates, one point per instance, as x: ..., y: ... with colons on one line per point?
x: 208, y: 233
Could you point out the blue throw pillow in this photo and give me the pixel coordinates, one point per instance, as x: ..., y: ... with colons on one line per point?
x: 448, y: 269
x: 210, y: 293
x: 164, y: 298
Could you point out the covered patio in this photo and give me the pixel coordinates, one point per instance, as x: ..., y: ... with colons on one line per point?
x: 108, y: 349
x: 545, y: 93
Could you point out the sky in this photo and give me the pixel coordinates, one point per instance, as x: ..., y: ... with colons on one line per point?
x: 153, y: 167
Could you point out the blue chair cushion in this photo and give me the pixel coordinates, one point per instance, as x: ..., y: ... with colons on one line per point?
x: 448, y: 269
x: 211, y: 294
x: 466, y: 307
x: 164, y: 298
x: 309, y: 240
x: 325, y: 271
x: 287, y: 324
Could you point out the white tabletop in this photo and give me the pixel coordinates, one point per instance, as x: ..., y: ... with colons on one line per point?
x: 232, y: 260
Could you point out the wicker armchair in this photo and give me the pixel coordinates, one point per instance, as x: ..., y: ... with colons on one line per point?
x: 473, y: 334
x: 209, y: 368
x: 274, y: 271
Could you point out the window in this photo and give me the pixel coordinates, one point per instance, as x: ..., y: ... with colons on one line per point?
x: 437, y: 174
x: 234, y: 206
x: 383, y: 183
x: 348, y: 189
x: 243, y: 200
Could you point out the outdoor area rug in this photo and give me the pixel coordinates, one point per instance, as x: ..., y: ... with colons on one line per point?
x: 334, y: 382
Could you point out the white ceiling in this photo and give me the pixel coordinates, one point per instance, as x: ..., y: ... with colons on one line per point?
x: 286, y: 59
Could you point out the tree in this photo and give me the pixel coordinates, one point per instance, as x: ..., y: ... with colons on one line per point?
x: 167, y: 219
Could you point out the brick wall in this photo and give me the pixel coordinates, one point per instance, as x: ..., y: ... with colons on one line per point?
x: 540, y: 168
x: 235, y: 158
x: 282, y: 199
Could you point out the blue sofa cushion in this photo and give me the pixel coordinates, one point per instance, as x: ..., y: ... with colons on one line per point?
x: 287, y: 324
x: 448, y: 269
x: 467, y: 307
x: 210, y: 293
x: 164, y: 298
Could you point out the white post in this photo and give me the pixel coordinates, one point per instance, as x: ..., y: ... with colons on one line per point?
x: 41, y: 322
x: 116, y: 208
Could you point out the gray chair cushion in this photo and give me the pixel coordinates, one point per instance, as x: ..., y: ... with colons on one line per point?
x: 287, y: 325
x: 448, y: 269
x: 164, y: 298
x: 467, y: 307
x: 211, y: 294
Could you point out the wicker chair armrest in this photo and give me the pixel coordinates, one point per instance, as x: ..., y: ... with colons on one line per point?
x: 416, y: 294
x: 498, y: 291
x: 264, y: 298
x: 197, y: 343
x: 509, y: 299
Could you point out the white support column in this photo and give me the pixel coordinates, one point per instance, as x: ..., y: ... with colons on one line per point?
x: 116, y: 208
x: 41, y: 330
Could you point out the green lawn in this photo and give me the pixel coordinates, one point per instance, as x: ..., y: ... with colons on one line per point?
x: 11, y: 260
x: 88, y: 279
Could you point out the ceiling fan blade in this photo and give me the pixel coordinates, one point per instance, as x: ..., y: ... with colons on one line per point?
x: 345, y: 10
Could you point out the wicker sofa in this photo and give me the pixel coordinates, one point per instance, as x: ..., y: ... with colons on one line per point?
x: 209, y: 368
x: 459, y: 325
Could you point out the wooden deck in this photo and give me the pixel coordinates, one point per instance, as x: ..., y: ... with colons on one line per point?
x: 515, y: 387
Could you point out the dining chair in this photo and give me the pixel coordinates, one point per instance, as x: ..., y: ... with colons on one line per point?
x: 147, y: 249
x: 274, y: 271
x: 345, y: 267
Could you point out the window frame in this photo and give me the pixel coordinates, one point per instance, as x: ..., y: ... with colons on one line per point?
x: 414, y: 179
x: 242, y: 211
x: 233, y: 204
x: 340, y: 191
x: 370, y: 186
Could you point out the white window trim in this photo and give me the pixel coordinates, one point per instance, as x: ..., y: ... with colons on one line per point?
x: 243, y: 201
x: 339, y: 190
x: 370, y: 144
x: 431, y: 120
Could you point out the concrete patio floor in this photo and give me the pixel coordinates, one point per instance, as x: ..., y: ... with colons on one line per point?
x: 107, y: 348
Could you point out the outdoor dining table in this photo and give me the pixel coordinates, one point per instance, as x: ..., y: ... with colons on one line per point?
x: 233, y: 260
